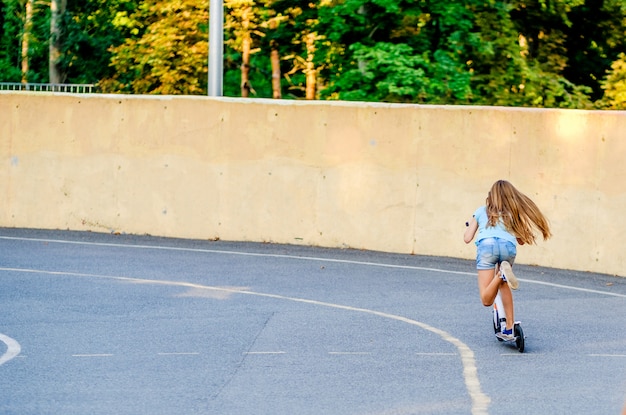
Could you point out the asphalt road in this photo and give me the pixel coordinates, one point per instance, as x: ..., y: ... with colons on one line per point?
x: 117, y: 324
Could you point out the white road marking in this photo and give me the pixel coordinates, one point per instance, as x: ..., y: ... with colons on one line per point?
x: 568, y: 287
x: 607, y: 355
x: 350, y: 353
x: 179, y: 354
x: 93, y: 355
x: 436, y: 354
x: 248, y: 353
x: 13, y: 349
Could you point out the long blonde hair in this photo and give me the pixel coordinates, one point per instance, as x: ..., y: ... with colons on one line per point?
x: 519, y: 214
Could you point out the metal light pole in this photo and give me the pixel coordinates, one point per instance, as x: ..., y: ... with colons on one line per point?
x: 216, y: 48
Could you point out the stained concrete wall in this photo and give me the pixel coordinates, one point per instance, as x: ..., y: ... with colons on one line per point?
x: 395, y: 178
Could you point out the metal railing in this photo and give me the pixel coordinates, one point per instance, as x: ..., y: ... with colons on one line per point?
x: 69, y: 88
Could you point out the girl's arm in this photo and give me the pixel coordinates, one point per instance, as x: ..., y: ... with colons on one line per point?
x: 470, y: 230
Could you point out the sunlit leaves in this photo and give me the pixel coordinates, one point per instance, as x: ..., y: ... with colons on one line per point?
x: 170, y: 56
x: 615, y: 84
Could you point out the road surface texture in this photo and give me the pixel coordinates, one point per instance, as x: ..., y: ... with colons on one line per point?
x: 120, y: 324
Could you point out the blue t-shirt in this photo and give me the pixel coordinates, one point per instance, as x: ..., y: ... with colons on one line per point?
x: 485, y: 231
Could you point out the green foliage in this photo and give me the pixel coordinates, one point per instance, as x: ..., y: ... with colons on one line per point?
x: 10, y: 31
x: 393, y: 73
x: 91, y: 30
x: 423, y: 58
x: 293, y: 23
x: 514, y: 67
x: 260, y: 75
x: 11, y: 42
x: 534, y: 53
x: 170, y: 53
x: 615, y: 85
x: 574, y: 39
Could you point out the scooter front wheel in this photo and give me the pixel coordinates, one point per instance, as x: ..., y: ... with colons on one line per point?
x: 519, y: 337
x: 496, y: 327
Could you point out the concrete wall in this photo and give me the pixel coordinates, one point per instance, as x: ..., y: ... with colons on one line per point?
x: 396, y: 178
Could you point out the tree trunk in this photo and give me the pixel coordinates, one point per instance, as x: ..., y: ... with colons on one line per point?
x: 311, y: 73
x: 245, y: 53
x: 276, y: 75
x: 28, y: 26
x: 277, y: 92
x: 362, y: 64
x: 245, y: 67
x: 57, y: 9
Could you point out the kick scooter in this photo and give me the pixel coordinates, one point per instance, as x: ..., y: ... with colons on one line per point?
x: 499, y: 324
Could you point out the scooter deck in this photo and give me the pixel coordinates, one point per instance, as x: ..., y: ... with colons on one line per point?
x: 506, y: 339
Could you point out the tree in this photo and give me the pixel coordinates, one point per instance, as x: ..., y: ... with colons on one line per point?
x: 39, y: 45
x: 11, y: 35
x: 272, y: 24
x: 57, y: 12
x: 299, y: 43
x: 91, y: 29
x: 615, y: 85
x: 568, y: 44
x: 242, y: 23
x: 169, y: 55
x: 594, y: 38
x: 519, y: 61
x: 399, y: 51
x: 276, y: 72
x: 26, y: 37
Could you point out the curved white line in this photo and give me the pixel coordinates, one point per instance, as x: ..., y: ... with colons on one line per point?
x: 13, y: 349
x: 480, y: 401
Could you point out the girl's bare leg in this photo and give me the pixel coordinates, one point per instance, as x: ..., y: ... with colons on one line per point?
x: 507, y: 302
x: 488, y: 285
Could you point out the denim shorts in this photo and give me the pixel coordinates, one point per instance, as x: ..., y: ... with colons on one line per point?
x: 492, y: 251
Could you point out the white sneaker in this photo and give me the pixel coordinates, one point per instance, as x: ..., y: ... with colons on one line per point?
x: 506, y: 273
x: 506, y: 335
